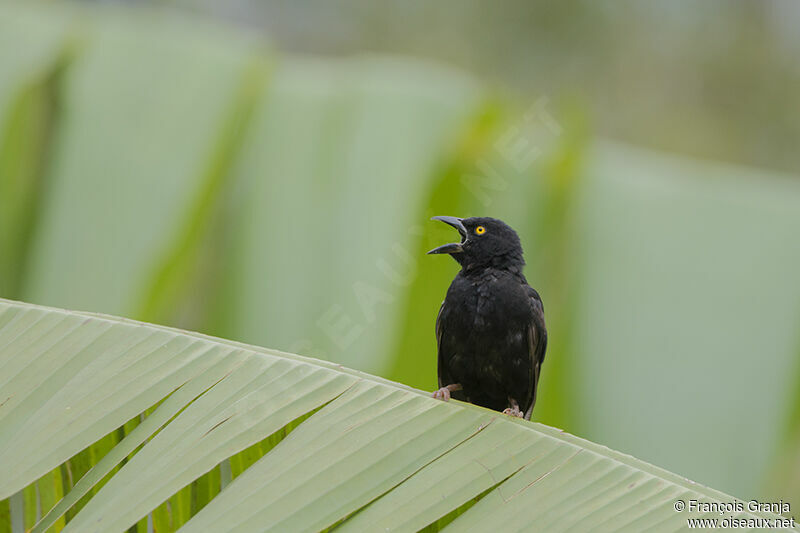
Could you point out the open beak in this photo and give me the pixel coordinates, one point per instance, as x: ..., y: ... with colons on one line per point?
x: 456, y: 247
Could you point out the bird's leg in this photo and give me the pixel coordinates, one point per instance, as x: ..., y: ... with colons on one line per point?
x: 514, y: 409
x: 444, y: 392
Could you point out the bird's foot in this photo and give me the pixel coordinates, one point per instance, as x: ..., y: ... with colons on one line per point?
x: 513, y: 411
x: 444, y: 392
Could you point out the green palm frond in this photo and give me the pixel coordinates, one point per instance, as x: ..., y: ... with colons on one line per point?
x: 373, y: 455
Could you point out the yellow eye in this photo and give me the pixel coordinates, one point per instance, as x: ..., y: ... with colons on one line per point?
x: 480, y: 230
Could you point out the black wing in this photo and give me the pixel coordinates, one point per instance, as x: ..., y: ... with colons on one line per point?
x: 439, y: 368
x: 442, y: 368
x: 537, y: 345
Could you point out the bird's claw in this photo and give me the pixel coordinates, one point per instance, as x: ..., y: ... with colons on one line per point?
x: 441, y: 394
x: 513, y: 411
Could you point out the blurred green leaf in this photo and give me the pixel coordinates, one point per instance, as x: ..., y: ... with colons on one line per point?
x: 182, y: 289
x: 687, y: 312
x: 114, y: 209
x: 32, y: 57
x: 341, y: 153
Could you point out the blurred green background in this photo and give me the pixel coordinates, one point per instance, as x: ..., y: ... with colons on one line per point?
x: 265, y: 171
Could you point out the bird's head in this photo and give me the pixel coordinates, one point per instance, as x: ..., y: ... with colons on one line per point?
x: 485, y: 242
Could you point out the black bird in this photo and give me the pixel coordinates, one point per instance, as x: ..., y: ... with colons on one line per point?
x: 490, y: 330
